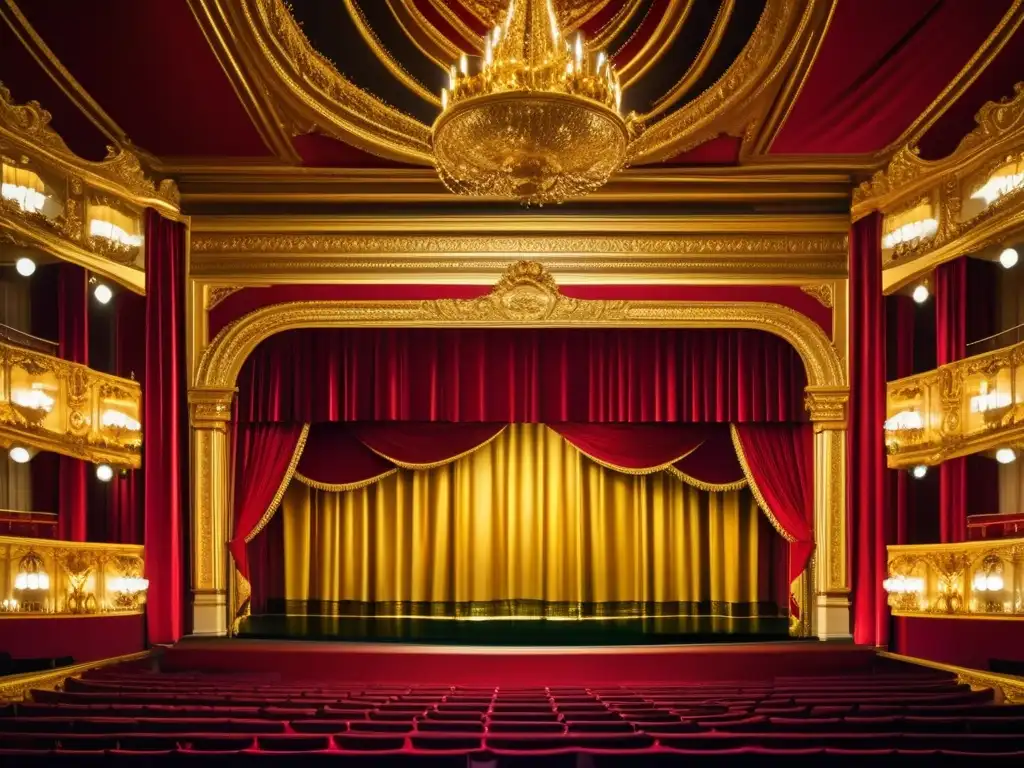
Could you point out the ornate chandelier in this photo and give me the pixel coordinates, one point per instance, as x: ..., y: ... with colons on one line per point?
x: 536, y: 119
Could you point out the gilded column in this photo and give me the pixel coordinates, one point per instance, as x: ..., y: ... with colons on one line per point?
x: 210, y: 416
x: 827, y: 406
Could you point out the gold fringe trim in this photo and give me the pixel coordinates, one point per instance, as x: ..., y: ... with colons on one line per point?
x: 436, y: 464
x: 701, y: 485
x: 276, y: 501
x: 753, y: 486
x: 626, y: 470
x: 341, y: 487
x: 243, y: 601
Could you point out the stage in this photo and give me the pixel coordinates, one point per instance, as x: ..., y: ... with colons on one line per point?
x: 672, y: 630
x: 404, y: 663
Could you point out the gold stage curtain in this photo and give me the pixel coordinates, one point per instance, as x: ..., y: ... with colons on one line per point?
x: 524, y: 526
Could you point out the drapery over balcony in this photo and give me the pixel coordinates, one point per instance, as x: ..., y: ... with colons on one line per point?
x: 968, y: 406
x: 50, y: 404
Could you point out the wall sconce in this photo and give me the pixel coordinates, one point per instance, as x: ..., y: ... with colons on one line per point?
x: 32, y: 403
x: 904, y: 591
x: 32, y: 584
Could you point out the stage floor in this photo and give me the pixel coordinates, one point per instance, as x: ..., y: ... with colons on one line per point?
x: 393, y: 663
x: 518, y: 632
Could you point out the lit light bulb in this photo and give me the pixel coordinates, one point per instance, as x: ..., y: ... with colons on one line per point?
x: 104, y: 473
x: 921, y: 294
x: 444, y: 98
x: 1006, y: 456
x: 919, y: 471
x: 19, y: 455
x: 25, y: 266
x: 601, y: 59
x: 488, y: 55
x: 1008, y: 258
x: 497, y: 34
x: 103, y: 294
x: 579, y: 48
x: 980, y: 583
x: 464, y: 64
x: 452, y: 77
x: 994, y: 582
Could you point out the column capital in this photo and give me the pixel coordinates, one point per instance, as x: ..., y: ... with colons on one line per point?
x: 827, y: 406
x: 210, y: 407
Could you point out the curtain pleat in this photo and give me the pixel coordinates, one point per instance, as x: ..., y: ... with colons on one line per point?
x: 522, y: 375
x: 524, y: 526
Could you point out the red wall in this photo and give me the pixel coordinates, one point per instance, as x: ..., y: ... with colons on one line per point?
x: 86, y: 638
x: 964, y: 642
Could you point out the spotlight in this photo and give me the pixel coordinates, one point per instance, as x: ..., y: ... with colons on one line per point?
x: 103, y: 293
x: 1008, y: 258
x: 20, y: 454
x: 25, y: 266
x: 919, y: 471
x: 104, y: 472
x: 921, y: 294
x: 1006, y: 455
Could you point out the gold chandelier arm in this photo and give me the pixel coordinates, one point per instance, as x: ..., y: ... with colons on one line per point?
x: 385, y: 57
x: 700, y: 63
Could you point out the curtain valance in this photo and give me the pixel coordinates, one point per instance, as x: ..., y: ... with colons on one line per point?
x: 522, y: 375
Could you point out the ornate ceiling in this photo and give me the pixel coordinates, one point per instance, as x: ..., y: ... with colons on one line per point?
x: 354, y: 84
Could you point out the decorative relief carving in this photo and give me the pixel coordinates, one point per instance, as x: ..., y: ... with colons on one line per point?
x: 28, y: 126
x: 827, y: 404
x: 399, y: 244
x: 821, y: 291
x: 220, y: 292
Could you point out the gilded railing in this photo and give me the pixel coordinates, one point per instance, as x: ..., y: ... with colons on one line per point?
x: 41, y: 577
x: 90, y: 213
x: 974, y: 579
x: 970, y: 406
x: 50, y: 404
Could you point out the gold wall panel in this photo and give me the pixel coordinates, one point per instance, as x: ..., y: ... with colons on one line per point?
x: 970, y: 406
x: 54, y: 405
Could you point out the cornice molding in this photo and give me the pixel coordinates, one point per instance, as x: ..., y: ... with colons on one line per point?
x: 526, y: 296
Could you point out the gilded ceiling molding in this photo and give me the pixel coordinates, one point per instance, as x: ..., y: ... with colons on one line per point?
x: 657, y: 43
x: 441, y: 52
x: 526, y: 296
x: 385, y: 57
x: 26, y: 129
x: 611, y: 30
x: 60, y: 75
x: 767, y: 53
x: 216, y: 21
x: 700, y: 63
x: 764, y: 131
x: 315, y: 89
x: 977, y: 64
x: 455, y: 21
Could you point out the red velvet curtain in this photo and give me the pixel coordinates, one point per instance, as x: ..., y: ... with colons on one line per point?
x: 950, y: 346
x: 73, y: 345
x: 780, y: 459
x: 866, y: 455
x: 263, y: 455
x: 523, y: 375
x: 125, y: 523
x: 165, y: 449
x: 633, y: 446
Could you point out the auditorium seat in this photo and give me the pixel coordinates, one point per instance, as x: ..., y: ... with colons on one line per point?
x: 124, y: 716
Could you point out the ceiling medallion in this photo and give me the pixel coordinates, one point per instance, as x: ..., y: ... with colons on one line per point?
x: 535, y: 119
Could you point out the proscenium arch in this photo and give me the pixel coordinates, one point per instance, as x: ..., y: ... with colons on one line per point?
x: 222, y: 361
